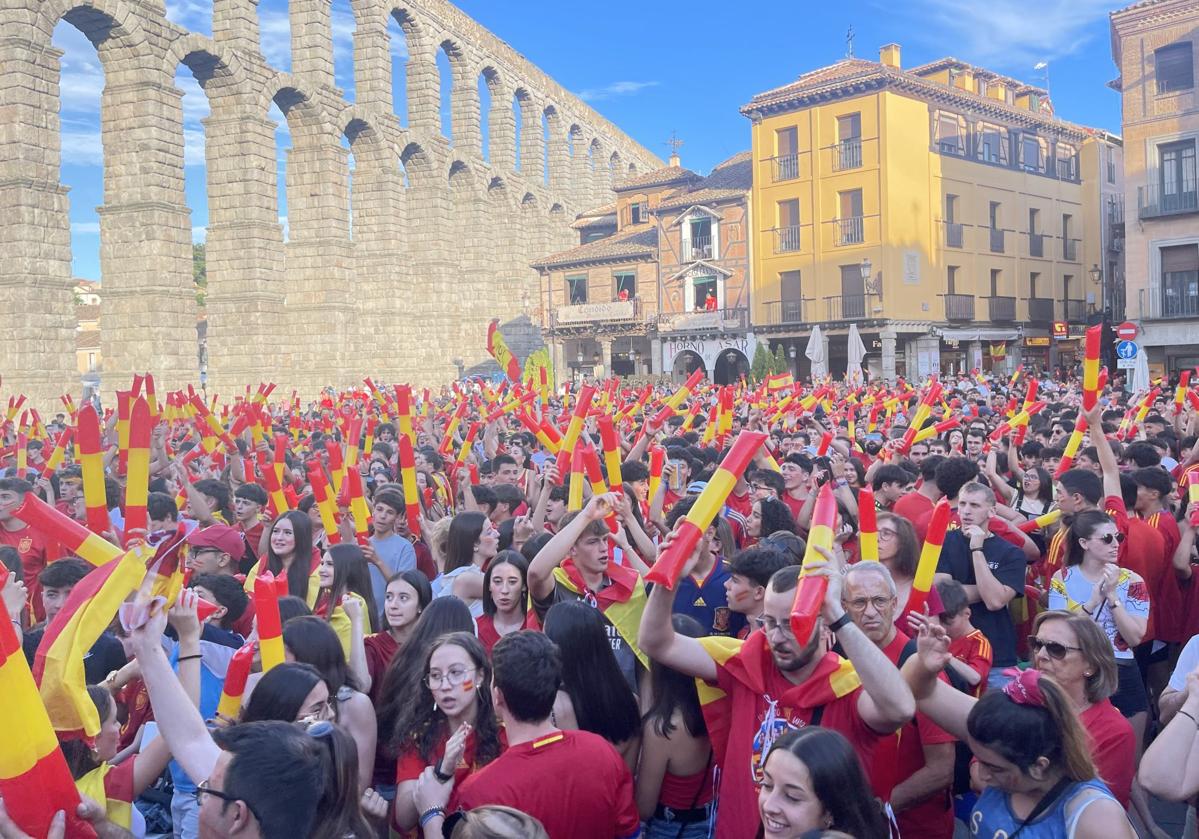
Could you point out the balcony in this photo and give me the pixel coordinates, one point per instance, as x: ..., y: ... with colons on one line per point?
x: 1001, y: 309
x: 786, y: 239
x: 847, y: 155
x: 697, y: 247
x: 843, y: 307
x: 1040, y: 310
x: 1036, y: 244
x: 582, y: 314
x: 720, y: 320
x: 1076, y: 310
x: 959, y: 307
x: 953, y: 234
x: 784, y: 312
x: 785, y: 167
x: 1170, y: 199
x: 996, y: 239
x: 851, y: 231
x: 1168, y: 303
x: 1070, y: 250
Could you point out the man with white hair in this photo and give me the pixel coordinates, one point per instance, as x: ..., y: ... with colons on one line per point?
x: 913, y: 768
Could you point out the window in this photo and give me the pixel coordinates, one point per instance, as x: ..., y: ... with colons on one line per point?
x: 786, y: 154
x: 705, y: 293
x: 1066, y: 158
x: 853, y: 292
x: 91, y: 361
x: 1069, y: 249
x: 637, y: 213
x: 699, y: 242
x: 1067, y: 281
x: 1034, y: 279
x: 1034, y: 221
x: 626, y: 284
x: 1111, y: 166
x: 791, y: 295
x: 996, y: 278
x: 849, y: 127
x: 993, y: 214
x: 1174, y: 67
x: 576, y: 288
x: 851, y: 224
x: 953, y: 230
x: 848, y: 154
x: 1177, y: 175
x: 951, y: 280
x: 991, y: 143
x: 1030, y: 153
x: 1180, y: 280
x: 980, y: 86
x: 950, y: 134
x: 593, y: 236
x: 787, y: 229
x: 951, y: 207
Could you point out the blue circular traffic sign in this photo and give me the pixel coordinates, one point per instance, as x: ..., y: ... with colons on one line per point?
x: 1126, y: 349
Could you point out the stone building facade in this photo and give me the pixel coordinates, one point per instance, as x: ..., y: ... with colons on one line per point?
x: 396, y: 288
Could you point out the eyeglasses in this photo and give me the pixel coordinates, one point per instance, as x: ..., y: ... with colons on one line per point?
x: 203, y: 789
x: 768, y: 625
x: 454, y: 677
x: 1108, y: 538
x: 859, y: 604
x: 1053, y: 649
x: 887, y: 533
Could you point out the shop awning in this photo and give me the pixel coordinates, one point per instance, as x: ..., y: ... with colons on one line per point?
x: 978, y: 334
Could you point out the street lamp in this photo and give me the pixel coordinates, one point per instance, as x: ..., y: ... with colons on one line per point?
x: 866, y: 269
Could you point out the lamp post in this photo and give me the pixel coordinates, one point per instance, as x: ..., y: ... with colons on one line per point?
x: 579, y: 364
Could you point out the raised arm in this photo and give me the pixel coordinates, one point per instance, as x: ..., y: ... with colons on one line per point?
x: 1170, y: 766
x: 657, y: 637
x: 541, y: 570
x: 1107, y: 458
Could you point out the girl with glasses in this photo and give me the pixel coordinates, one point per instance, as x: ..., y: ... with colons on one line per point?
x: 451, y: 726
x: 1092, y: 584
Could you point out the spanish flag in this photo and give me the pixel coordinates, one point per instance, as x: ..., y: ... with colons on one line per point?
x: 621, y: 603
x: 34, y: 780
x: 58, y: 666
x: 497, y: 347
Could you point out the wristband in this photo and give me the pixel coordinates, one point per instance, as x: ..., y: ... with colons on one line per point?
x: 430, y: 814
x: 840, y: 623
x: 184, y: 658
x: 442, y: 776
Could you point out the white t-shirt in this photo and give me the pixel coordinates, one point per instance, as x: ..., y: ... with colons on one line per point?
x: 1188, y: 660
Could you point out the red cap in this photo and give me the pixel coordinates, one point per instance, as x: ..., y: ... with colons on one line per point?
x: 220, y: 536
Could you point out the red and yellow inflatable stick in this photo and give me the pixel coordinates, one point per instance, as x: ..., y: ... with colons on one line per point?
x: 60, y: 452
x: 35, y: 782
x: 337, y: 468
x: 595, y: 477
x: 574, y: 429
x: 274, y: 489
x: 936, y: 430
x: 137, y: 480
x: 612, y: 453
x: 867, y: 526
x: 691, y: 529
x: 923, y: 409
x: 471, y: 433
x: 657, y: 460
x: 358, y: 507
x: 280, y: 457
x: 408, y: 479
x: 930, y: 553
x: 574, y: 492
x: 235, y: 682
x: 404, y: 412
x: 537, y: 431
x: 324, y: 503
x: 1090, y: 367
x: 1180, y: 392
x: 123, y: 403
x: 1071, y: 450
x: 270, y: 626
x: 91, y: 459
x: 809, y: 592
x: 447, y: 442
x: 1193, y: 496
x: 75, y: 539
x: 1040, y: 522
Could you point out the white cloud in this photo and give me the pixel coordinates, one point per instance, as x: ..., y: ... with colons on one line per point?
x: 195, y: 15
x: 193, y: 147
x: 1007, y: 34
x: 199, y: 234
x: 597, y: 94
x: 81, y: 146
x: 283, y: 223
x: 85, y: 228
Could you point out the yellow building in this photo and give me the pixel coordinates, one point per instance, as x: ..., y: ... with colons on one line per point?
x: 943, y: 210
x: 1155, y: 45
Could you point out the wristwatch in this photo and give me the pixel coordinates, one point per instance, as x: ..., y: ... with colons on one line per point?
x: 441, y: 776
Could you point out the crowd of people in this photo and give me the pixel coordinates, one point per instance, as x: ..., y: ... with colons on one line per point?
x: 483, y: 657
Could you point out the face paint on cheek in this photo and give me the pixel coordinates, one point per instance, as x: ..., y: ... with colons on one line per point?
x: 468, y: 685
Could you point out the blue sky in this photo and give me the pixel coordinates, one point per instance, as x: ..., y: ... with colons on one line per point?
x: 652, y: 68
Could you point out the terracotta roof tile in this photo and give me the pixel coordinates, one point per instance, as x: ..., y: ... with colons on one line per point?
x: 732, y: 178
x: 656, y: 177
x: 87, y: 312
x: 588, y: 222
x: 89, y: 340
x: 602, y: 210
x: 641, y: 242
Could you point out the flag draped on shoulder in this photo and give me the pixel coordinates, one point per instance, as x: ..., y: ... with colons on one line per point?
x: 34, y: 780
x: 58, y: 666
x: 498, y: 348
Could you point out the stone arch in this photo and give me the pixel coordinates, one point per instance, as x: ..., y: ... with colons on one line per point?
x: 419, y: 104
x: 500, y: 139
x: 464, y: 99
x: 216, y: 68
x: 310, y: 118
x: 554, y: 154
x: 524, y: 111
x: 417, y: 164
x: 106, y: 23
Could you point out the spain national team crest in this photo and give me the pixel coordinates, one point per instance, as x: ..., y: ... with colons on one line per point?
x: 24, y: 546
x: 720, y: 620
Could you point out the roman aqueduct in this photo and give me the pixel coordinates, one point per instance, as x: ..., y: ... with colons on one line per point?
x: 437, y: 242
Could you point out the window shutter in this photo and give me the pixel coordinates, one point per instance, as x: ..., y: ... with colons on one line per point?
x: 1174, y: 67
x: 1180, y: 258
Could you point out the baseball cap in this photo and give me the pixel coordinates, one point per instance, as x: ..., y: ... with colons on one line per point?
x: 220, y: 536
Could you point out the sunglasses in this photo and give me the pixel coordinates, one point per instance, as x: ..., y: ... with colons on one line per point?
x: 1053, y: 649
x: 1108, y: 538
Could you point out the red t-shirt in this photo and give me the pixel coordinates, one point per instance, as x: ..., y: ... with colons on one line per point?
x: 762, y: 706
x: 36, y: 553
x: 899, y: 755
x: 1144, y: 553
x: 1113, y: 747
x: 741, y: 504
x: 574, y: 782
x: 793, y: 504
x: 914, y: 507
x: 974, y: 650
x: 253, y: 535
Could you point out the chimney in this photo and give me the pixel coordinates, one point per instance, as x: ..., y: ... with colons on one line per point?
x: 675, y: 160
x: 888, y: 55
